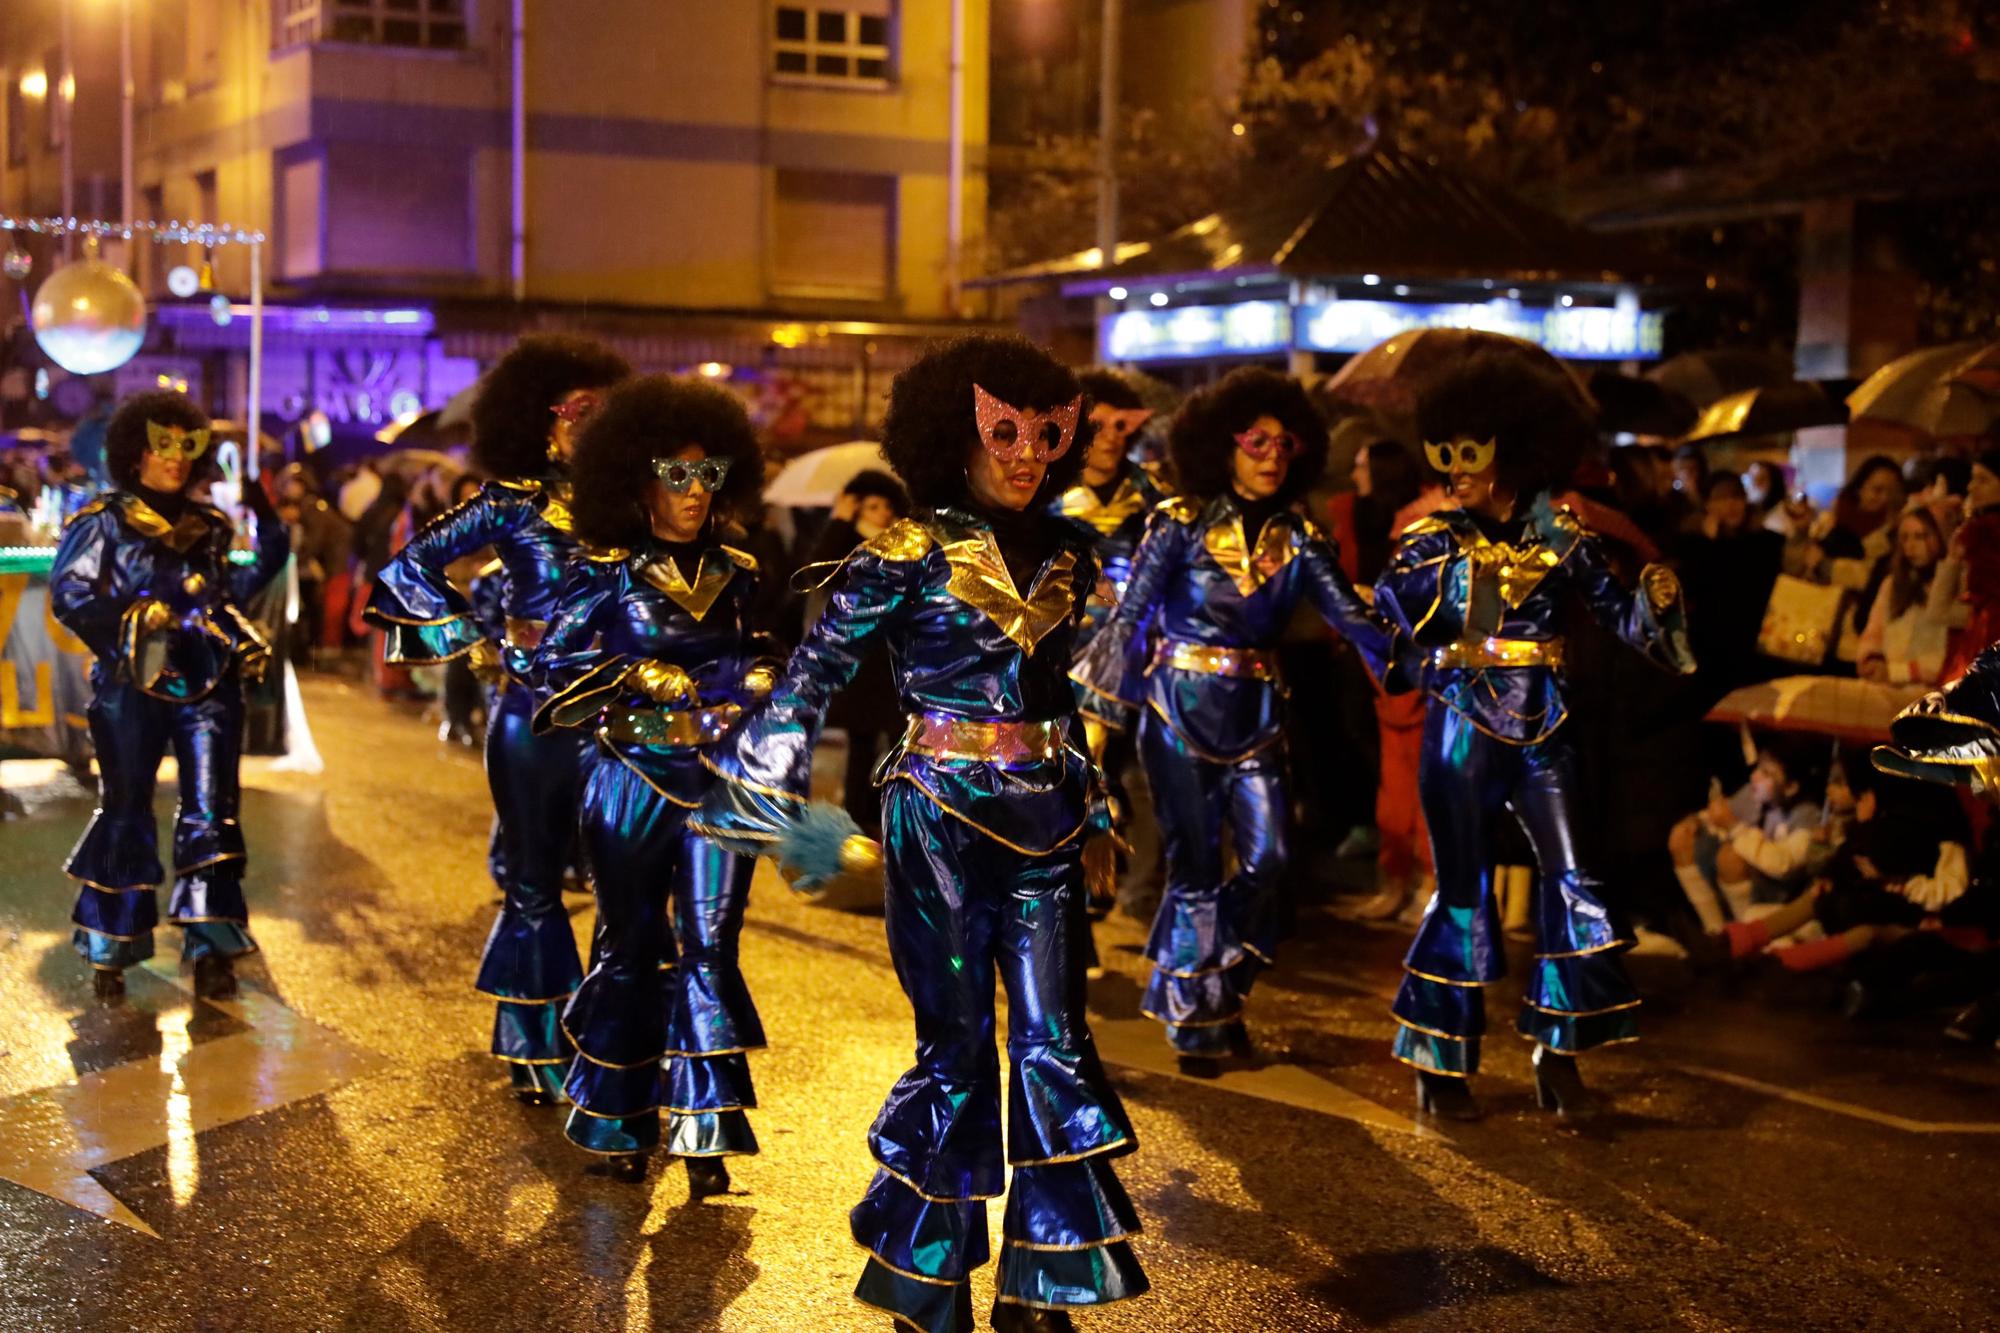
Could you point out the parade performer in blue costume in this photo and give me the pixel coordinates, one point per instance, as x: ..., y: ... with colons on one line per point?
x: 1480, y: 592
x: 987, y: 804
x: 144, y: 577
x: 525, y: 420
x: 650, y: 659
x: 1194, y: 644
x: 1112, y: 498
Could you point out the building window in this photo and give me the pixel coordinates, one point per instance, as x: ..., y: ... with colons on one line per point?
x: 433, y: 24
x: 849, y: 44
x: 834, y: 235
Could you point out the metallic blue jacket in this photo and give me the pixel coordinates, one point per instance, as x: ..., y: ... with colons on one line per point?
x: 619, y: 609
x: 965, y: 645
x: 1194, y: 638
x: 118, y: 553
x: 1116, y: 526
x: 527, y: 524
x: 1479, y: 617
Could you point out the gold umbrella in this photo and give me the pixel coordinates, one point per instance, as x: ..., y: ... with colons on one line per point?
x: 1777, y: 410
x: 1938, y: 391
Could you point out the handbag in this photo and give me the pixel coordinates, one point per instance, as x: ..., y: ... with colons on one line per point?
x: 1800, y: 620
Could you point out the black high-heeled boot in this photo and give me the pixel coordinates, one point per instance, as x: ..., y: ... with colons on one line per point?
x: 629, y: 1167
x: 1011, y: 1318
x: 108, y: 986
x: 214, y: 977
x: 1446, y: 1097
x: 529, y: 1089
x: 1200, y: 1066
x: 1559, y: 1087
x: 707, y: 1177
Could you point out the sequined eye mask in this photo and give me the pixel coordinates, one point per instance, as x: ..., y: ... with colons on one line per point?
x: 679, y: 476
x: 1122, y: 422
x: 1010, y: 433
x: 578, y: 408
x: 1261, y: 444
x: 1460, y: 457
x: 175, y: 443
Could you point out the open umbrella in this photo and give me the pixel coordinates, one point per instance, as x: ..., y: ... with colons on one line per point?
x: 813, y: 480
x: 1703, y: 377
x: 1853, y: 711
x: 1937, y: 391
x: 1628, y: 405
x: 1390, y: 376
x: 1777, y: 410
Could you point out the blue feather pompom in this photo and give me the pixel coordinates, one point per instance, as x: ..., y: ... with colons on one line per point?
x: 810, y: 847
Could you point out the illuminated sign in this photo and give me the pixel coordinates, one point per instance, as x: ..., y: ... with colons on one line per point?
x: 1248, y: 328
x: 1580, y: 333
x: 1265, y: 328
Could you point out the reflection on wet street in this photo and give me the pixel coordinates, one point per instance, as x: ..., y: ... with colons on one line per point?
x: 333, y: 1150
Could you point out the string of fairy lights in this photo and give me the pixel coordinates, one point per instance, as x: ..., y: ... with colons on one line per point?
x: 206, y: 234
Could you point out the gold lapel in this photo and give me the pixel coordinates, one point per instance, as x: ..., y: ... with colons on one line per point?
x: 182, y: 536
x: 979, y: 578
x: 710, y: 578
x: 555, y: 508
x: 1106, y: 516
x: 1250, y: 569
x: 1515, y: 571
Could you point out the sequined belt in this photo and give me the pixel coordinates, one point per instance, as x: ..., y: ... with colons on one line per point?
x: 1208, y: 660
x: 942, y: 736
x: 1476, y: 653
x: 665, y: 727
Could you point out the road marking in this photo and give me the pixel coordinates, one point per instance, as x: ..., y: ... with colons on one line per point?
x: 1849, y: 1109
x: 52, y: 1138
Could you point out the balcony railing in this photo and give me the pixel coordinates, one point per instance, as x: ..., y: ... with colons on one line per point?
x: 436, y: 25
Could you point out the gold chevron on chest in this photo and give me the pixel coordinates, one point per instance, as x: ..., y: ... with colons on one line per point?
x: 1104, y: 516
x: 555, y: 507
x: 1247, y: 567
x: 979, y: 578
x: 1513, y: 571
x: 712, y: 575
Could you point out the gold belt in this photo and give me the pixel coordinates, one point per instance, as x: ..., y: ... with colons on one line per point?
x: 664, y: 727
x: 1208, y: 660
x: 1475, y: 653
x: 942, y: 736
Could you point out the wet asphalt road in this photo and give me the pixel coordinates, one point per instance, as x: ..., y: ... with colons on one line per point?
x: 334, y: 1152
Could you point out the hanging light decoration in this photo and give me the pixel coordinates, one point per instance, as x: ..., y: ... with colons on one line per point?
x: 17, y: 264
x: 89, y: 317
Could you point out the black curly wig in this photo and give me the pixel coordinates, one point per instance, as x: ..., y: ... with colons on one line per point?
x: 875, y: 482
x: 1537, y: 418
x: 929, y: 433
x: 656, y: 416
x: 125, y: 437
x: 511, y: 413
x: 1202, y: 439
x: 1110, y: 388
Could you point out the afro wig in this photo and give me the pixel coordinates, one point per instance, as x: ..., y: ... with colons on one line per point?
x: 1202, y: 439
x: 511, y: 414
x: 1537, y: 416
x: 1111, y: 389
x: 929, y: 433
x: 656, y: 416
x: 125, y: 437
x: 875, y: 482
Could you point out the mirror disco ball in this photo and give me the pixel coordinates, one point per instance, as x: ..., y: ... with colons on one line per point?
x: 89, y: 317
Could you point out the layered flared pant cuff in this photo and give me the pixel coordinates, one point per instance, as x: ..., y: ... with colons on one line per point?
x: 921, y: 1253
x: 1060, y: 1279
x: 1199, y: 1011
x: 115, y: 916
x: 530, y: 1033
x: 616, y: 1110
x: 932, y: 1307
x: 1578, y: 1001
x: 118, y: 852
x: 706, y: 1100
x: 1439, y: 1024
x: 530, y: 958
x: 110, y: 953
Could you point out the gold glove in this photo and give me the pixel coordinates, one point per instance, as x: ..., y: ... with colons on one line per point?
x: 760, y: 680
x: 254, y: 658
x: 662, y: 682
x: 1100, y: 868
x: 154, y: 614
x: 484, y: 659
x: 860, y: 855
x: 1663, y: 589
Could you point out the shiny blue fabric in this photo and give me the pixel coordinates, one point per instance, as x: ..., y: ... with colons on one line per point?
x: 984, y: 880
x: 663, y: 1017
x: 1113, y: 530
x: 1212, y: 745
x: 530, y: 960
x: 1579, y: 996
x: 179, y: 687
x: 1492, y: 743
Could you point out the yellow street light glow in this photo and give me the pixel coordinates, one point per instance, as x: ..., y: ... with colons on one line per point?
x: 35, y: 84
x: 714, y: 370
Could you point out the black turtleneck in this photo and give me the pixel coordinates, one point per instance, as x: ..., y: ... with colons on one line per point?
x: 686, y: 555
x: 1105, y: 491
x: 167, y: 506
x: 1256, y: 513
x: 1510, y: 530
x: 1026, y: 538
